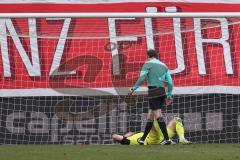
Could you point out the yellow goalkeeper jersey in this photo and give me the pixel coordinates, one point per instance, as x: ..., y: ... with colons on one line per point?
x: 133, y: 139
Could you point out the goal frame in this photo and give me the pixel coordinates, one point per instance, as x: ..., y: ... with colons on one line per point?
x: 203, y: 116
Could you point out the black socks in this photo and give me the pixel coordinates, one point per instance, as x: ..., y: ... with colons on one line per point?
x: 163, y: 127
x: 147, y: 129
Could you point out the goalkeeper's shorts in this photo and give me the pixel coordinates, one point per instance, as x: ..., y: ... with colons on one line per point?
x: 156, y: 97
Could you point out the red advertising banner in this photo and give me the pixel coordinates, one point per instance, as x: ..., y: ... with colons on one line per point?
x: 42, y: 55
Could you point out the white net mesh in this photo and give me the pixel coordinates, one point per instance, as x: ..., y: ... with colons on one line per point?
x: 66, y: 80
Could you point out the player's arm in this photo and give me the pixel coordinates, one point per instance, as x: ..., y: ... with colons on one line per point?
x: 142, y: 77
x: 129, y: 134
x: 170, y: 88
x: 122, y: 139
x: 169, y: 84
x: 118, y: 138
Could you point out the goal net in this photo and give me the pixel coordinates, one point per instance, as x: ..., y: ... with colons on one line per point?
x: 65, y: 80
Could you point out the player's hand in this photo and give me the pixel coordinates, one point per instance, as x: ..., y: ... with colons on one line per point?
x: 168, y: 100
x: 131, y: 92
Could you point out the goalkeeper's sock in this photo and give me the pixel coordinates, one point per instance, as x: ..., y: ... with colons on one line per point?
x: 147, y: 129
x: 180, y: 129
x: 163, y: 127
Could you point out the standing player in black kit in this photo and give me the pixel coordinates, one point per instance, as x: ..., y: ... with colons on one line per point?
x: 157, y: 74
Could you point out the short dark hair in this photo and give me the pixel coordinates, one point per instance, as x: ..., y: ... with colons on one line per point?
x: 152, y: 53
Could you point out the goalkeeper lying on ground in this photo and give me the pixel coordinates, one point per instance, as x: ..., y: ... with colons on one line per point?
x: 155, y: 136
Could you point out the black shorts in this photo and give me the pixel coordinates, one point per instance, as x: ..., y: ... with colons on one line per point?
x: 156, y: 97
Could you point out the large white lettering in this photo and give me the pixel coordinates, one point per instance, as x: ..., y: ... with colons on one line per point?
x: 199, y: 40
x: 114, y: 39
x: 33, y: 67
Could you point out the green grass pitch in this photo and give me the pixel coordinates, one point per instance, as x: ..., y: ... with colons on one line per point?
x: 118, y: 152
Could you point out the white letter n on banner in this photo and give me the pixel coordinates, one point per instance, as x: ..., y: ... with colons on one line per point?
x: 33, y: 67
